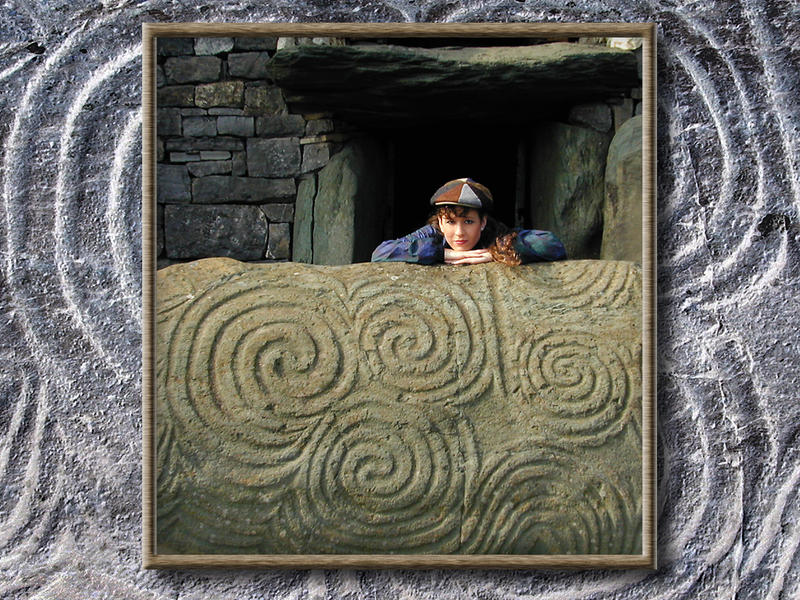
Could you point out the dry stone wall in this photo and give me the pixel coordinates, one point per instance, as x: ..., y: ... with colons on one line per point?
x: 230, y: 155
x: 395, y: 408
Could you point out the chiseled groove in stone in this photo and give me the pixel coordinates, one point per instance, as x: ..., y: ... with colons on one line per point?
x: 272, y: 454
x: 394, y: 318
x: 525, y: 505
x: 415, y: 450
x: 599, y: 284
x: 582, y: 384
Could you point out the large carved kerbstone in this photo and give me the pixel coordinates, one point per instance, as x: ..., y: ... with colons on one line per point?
x: 393, y: 408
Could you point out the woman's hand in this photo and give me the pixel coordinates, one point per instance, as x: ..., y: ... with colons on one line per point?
x: 467, y: 257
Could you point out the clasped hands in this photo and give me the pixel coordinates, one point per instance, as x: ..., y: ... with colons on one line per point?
x: 467, y: 257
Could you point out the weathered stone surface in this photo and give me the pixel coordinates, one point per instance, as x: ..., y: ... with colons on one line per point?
x: 567, y: 185
x: 278, y: 243
x: 315, y: 156
x: 195, y: 69
x: 224, y: 93
x: 198, y: 231
x: 280, y: 125
x: 622, y: 112
x: 168, y: 121
x: 216, y: 143
x: 278, y: 157
x: 304, y: 220
x: 363, y: 401
x: 176, y: 95
x: 209, y: 167
x: 217, y: 189
x: 375, y: 82
x: 200, y: 126
x: 174, y: 46
x: 239, y: 164
x: 238, y: 126
x: 318, y: 126
x: 259, y: 101
x: 226, y: 111
x: 184, y: 157
x: 255, y: 43
x: 249, y: 65
x: 622, y: 210
x: 172, y: 184
x: 596, y: 115
x: 161, y: 79
x: 214, y: 155
x: 347, y: 217
x: 279, y: 213
x: 213, y: 45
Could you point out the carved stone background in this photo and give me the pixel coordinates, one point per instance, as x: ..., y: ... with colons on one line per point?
x: 399, y: 409
x: 70, y: 422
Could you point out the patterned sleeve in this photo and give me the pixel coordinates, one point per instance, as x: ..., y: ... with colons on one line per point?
x: 534, y: 245
x: 424, y: 247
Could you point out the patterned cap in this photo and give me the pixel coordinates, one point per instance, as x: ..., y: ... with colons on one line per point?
x: 463, y: 192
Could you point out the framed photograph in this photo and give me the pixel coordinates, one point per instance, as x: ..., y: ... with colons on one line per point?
x: 336, y: 376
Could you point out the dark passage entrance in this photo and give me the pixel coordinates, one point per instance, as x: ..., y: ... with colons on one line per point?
x: 425, y: 158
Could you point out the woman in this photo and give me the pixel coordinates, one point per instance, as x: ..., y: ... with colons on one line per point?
x: 461, y: 232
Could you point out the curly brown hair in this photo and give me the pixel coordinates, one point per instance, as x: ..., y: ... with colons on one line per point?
x: 496, y: 237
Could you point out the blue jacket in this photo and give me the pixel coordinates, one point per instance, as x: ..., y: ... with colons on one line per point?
x: 426, y: 245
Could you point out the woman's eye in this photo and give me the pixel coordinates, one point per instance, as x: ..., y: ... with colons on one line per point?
x: 469, y: 221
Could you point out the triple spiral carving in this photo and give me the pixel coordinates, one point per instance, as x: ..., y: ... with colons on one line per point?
x: 307, y: 411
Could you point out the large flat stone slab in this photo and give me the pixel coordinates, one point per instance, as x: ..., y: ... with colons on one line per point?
x: 379, y: 82
x: 393, y: 408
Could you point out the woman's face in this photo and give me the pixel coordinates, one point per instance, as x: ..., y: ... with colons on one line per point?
x: 462, y: 233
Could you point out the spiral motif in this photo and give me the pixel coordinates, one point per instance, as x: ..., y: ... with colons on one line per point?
x: 588, y: 388
x: 251, y: 368
x: 543, y: 501
x: 425, y: 343
x: 599, y: 284
x: 384, y: 477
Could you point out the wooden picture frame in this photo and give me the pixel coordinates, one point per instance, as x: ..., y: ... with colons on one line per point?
x: 647, y: 558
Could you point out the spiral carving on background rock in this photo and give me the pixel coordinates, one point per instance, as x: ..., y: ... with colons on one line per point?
x: 586, y: 387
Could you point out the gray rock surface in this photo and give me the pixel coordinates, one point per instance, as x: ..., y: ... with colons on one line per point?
x: 223, y: 230
x: 622, y: 207
x: 70, y: 416
x: 567, y: 186
x: 367, y: 81
x: 377, y: 446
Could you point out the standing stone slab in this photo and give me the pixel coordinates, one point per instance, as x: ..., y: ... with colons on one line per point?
x: 622, y: 211
x: 217, y: 189
x: 567, y: 171
x: 357, y: 410
x: 199, y: 231
x: 304, y: 220
x: 596, y: 115
x: 197, y: 69
x: 347, y: 213
x: 278, y: 157
x: 172, y: 184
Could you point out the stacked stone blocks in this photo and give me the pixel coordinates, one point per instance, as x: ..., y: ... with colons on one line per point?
x: 230, y: 155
